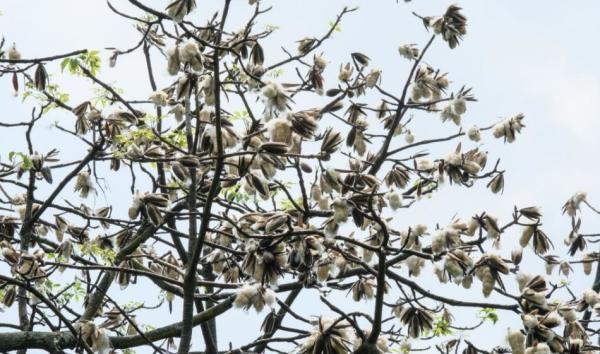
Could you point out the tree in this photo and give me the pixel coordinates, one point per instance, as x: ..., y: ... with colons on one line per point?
x: 243, y: 198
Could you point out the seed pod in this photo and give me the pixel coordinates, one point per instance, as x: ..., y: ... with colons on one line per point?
x: 154, y: 152
x: 597, y: 309
x: 115, y: 164
x: 123, y: 279
x: 331, y: 142
x: 134, y: 210
x: 178, y: 111
x: 471, y: 167
x: 532, y: 213
x: 336, y: 105
x: 189, y: 161
x: 526, y: 235
x: 333, y: 92
x: 123, y: 237
x: 231, y: 274
x: 104, y: 212
x: 305, y: 167
x: 587, y: 263
x: 61, y: 223
x: 269, y: 323
x: 361, y: 58
x: 81, y: 108
x: 46, y: 174
x: 541, y: 242
x: 394, y: 199
x: 522, y: 280
x: 173, y: 61
x: 276, y: 148
x: 516, y: 340
x: 40, y: 77
x: 363, y: 289
x: 496, y: 185
x: 257, y: 55
x: 179, y: 171
x: 488, y: 281
x: 64, y: 250
x: 178, y: 9
x: 565, y: 268
x: 438, y: 242
x: 26, y: 266
x: 591, y: 297
x: 39, y: 254
x: 15, y: 83
x: 37, y: 161
x: 184, y: 87
x: 154, y: 214
x: 9, y: 296
x: 9, y: 253
x: 275, y: 222
x: 324, y: 268
x: 418, y: 321
x: 305, y: 123
x: 373, y: 78
x: 467, y: 281
x: 315, y: 192
x: 159, y: 98
x: 280, y: 130
x: 112, y: 59
x: 516, y: 256
x: 80, y: 234
x: 13, y: 53
x: 258, y: 184
x: 305, y: 45
x: 549, y: 267
x: 156, y: 199
x: 340, y: 210
x: 551, y: 320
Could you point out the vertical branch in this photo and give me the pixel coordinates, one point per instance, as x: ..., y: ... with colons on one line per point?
x: 26, y: 230
x: 196, y: 244
x: 381, y: 286
x: 24, y: 247
x: 162, y: 181
x: 400, y: 111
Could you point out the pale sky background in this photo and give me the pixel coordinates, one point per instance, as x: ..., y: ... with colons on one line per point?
x: 537, y: 57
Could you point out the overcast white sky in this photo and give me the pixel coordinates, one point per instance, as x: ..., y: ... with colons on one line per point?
x: 538, y: 57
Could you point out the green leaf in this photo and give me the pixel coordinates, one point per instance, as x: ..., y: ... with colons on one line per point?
x: 488, y: 314
x: 234, y: 193
x: 275, y: 73
x: 90, y: 60
x: 243, y: 115
x: 271, y: 28
x: 441, y: 328
x: 63, y: 64
x: 338, y: 27
x: 26, y: 161
x: 287, y: 204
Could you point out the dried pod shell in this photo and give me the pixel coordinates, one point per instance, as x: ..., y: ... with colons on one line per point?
x: 273, y: 148
x: 496, y: 185
x: 40, y: 77
x: 9, y: 296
